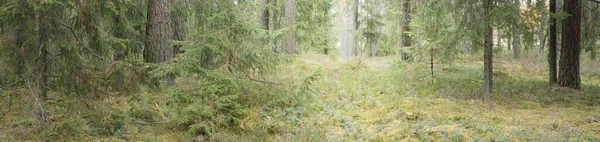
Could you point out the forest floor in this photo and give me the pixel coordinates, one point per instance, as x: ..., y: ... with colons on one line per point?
x: 380, y: 99
x: 370, y: 99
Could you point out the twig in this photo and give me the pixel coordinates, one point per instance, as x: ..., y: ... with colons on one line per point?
x: 261, y: 81
x: 43, y: 115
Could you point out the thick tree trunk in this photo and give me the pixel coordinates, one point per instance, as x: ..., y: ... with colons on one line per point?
x: 348, y: 23
x: 159, y: 31
x: 553, y: 44
x: 487, y: 51
x: 406, y: 19
x: 571, y: 46
x: 290, y: 20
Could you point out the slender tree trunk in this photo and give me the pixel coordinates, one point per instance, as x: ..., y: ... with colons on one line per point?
x: 571, y: 46
x: 542, y: 30
x: 275, y: 24
x: 509, y: 42
x: 42, y: 64
x: 263, y: 14
x: 517, y: 35
x: 517, y: 44
x: 406, y: 19
x: 38, y: 84
x: 592, y: 36
x: 179, y: 31
x: 499, y: 38
x: 21, y: 35
x: 119, y: 55
x: 552, y: 48
x: 290, y: 20
x: 487, y: 51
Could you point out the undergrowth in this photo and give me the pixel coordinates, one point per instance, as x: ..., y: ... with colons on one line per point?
x: 319, y: 98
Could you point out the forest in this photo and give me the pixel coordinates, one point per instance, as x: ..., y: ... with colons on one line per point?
x: 299, y: 70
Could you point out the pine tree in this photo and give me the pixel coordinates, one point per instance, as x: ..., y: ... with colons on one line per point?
x: 570, y: 46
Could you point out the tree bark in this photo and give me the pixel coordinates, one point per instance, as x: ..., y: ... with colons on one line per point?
x: 552, y: 47
x: 406, y: 19
x: 179, y: 31
x: 42, y: 64
x: 591, y: 28
x: 159, y: 31
x: 487, y: 51
x: 571, y: 46
x: 542, y: 30
x: 517, y: 44
x: 517, y: 34
x: 348, y: 23
x: 499, y: 38
x: 290, y: 20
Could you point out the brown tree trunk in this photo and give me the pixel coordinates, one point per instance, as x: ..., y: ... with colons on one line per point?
x: 517, y: 35
x: 406, y: 39
x: 179, y: 31
x: 571, y: 46
x: 553, y: 44
x: 290, y: 20
x: 487, y: 50
x: 159, y: 31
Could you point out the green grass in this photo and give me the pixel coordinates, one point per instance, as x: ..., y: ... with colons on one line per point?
x: 321, y: 98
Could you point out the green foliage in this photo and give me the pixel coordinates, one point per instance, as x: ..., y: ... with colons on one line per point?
x: 314, y: 25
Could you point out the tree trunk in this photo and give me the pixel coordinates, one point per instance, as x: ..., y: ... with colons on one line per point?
x: 276, y: 24
x: 571, y: 46
x: 263, y: 14
x: 542, y: 30
x: 406, y: 19
x: 179, y: 31
x: 509, y: 42
x: 21, y: 34
x: 499, y: 38
x: 290, y: 20
x: 517, y: 44
x: 487, y: 51
x: 41, y: 61
x: 38, y: 84
x: 159, y: 31
x: 517, y: 34
x: 592, y: 35
x: 348, y: 23
x: 553, y: 43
